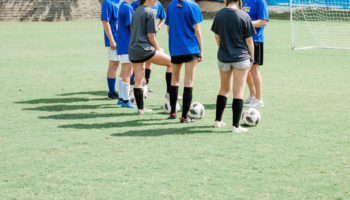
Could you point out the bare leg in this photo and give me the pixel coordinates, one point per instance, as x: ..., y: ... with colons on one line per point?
x: 251, y: 86
x: 256, y: 76
x: 112, y: 69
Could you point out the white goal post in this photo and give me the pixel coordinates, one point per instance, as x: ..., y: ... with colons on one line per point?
x: 320, y: 24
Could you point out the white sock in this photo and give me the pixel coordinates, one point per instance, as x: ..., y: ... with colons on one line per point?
x: 126, y: 88
x: 119, y: 84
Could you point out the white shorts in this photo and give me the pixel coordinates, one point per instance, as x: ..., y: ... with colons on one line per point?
x: 112, y: 55
x: 124, y: 58
x: 226, y: 67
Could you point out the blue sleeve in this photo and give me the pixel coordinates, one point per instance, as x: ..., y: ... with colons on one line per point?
x: 161, y: 13
x: 262, y: 10
x: 196, y: 14
x: 128, y: 16
x: 106, y: 11
x: 167, y: 16
x: 134, y: 5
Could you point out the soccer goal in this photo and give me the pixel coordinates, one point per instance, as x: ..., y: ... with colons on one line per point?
x: 320, y: 24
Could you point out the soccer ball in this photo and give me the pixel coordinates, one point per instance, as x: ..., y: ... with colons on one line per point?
x: 251, y: 117
x: 196, y: 110
x: 145, y: 91
x: 167, y: 107
x: 132, y: 97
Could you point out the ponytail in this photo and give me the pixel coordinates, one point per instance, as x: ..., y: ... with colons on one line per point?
x: 179, y: 4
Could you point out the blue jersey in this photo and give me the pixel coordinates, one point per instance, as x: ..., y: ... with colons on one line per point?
x: 257, y: 9
x: 159, y: 9
x: 109, y: 13
x: 181, y: 22
x: 123, y: 29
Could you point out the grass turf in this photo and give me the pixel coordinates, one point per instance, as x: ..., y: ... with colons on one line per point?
x: 62, y: 139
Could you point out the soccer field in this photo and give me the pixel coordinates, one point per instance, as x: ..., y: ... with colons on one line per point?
x: 60, y: 138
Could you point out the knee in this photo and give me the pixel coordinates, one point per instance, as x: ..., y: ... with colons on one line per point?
x: 224, y: 92
x: 188, y: 83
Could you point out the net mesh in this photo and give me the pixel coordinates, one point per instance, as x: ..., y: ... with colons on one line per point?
x: 320, y: 24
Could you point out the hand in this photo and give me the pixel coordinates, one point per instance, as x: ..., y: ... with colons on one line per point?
x: 201, y: 57
x: 113, y: 45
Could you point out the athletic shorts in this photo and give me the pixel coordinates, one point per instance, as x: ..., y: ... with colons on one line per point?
x: 112, y: 55
x: 226, y: 67
x: 258, y: 53
x: 124, y: 58
x: 145, y: 59
x: 184, y: 58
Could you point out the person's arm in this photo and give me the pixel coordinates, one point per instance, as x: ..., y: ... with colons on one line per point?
x: 108, y: 30
x: 217, y: 37
x: 161, y: 23
x: 250, y: 45
x: 198, y: 32
x: 152, y: 39
x: 259, y: 23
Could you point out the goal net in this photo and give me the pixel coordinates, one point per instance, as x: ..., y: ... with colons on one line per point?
x: 320, y: 24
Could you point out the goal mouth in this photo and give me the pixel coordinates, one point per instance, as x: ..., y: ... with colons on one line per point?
x: 320, y: 24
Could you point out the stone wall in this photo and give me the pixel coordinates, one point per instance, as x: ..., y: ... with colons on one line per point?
x: 49, y: 10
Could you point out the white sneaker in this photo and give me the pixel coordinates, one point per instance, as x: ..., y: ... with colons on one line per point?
x: 219, y: 124
x: 248, y: 100
x: 256, y: 103
x: 144, y: 110
x: 240, y: 129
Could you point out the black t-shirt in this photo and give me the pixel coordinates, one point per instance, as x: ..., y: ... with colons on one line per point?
x: 233, y: 26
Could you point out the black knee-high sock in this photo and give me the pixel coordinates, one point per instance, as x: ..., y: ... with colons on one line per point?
x: 237, y: 106
x: 186, y: 101
x: 168, y: 81
x: 138, y: 93
x: 147, y: 75
x: 220, y: 107
x: 174, y: 90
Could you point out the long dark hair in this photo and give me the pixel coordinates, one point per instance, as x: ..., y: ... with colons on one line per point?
x: 142, y: 2
x: 234, y: 1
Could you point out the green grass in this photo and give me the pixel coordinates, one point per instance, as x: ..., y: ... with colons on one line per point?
x: 60, y: 138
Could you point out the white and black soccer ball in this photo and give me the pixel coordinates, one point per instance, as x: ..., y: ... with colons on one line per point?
x: 251, y: 117
x: 167, y: 107
x: 196, y: 111
x: 145, y: 91
x: 132, y: 97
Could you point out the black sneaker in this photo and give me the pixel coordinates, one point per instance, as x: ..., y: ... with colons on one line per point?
x: 186, y: 120
x: 113, y: 95
x: 172, y: 116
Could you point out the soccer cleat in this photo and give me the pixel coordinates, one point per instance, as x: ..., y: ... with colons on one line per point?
x: 256, y: 103
x: 240, y: 129
x: 120, y: 102
x: 219, y: 124
x: 113, y: 95
x: 144, y: 111
x: 248, y: 100
x: 129, y: 104
x: 186, y: 120
x: 172, y: 116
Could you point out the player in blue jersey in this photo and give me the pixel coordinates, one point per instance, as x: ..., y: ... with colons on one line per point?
x: 257, y: 10
x: 160, y: 14
x: 109, y: 21
x: 185, y: 46
x: 125, y: 13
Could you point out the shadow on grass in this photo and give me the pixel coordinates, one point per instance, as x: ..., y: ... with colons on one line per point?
x: 95, y: 93
x: 62, y: 107
x: 183, y: 129
x: 57, y: 100
x: 86, y: 115
x: 132, y: 123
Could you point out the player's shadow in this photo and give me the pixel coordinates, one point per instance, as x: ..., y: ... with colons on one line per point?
x: 94, y: 93
x: 183, y: 129
x: 54, y: 100
x: 117, y: 124
x: 63, y: 107
x: 90, y: 115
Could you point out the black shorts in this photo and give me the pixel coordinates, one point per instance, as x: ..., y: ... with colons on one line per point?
x: 258, y: 53
x: 145, y: 59
x: 184, y: 58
